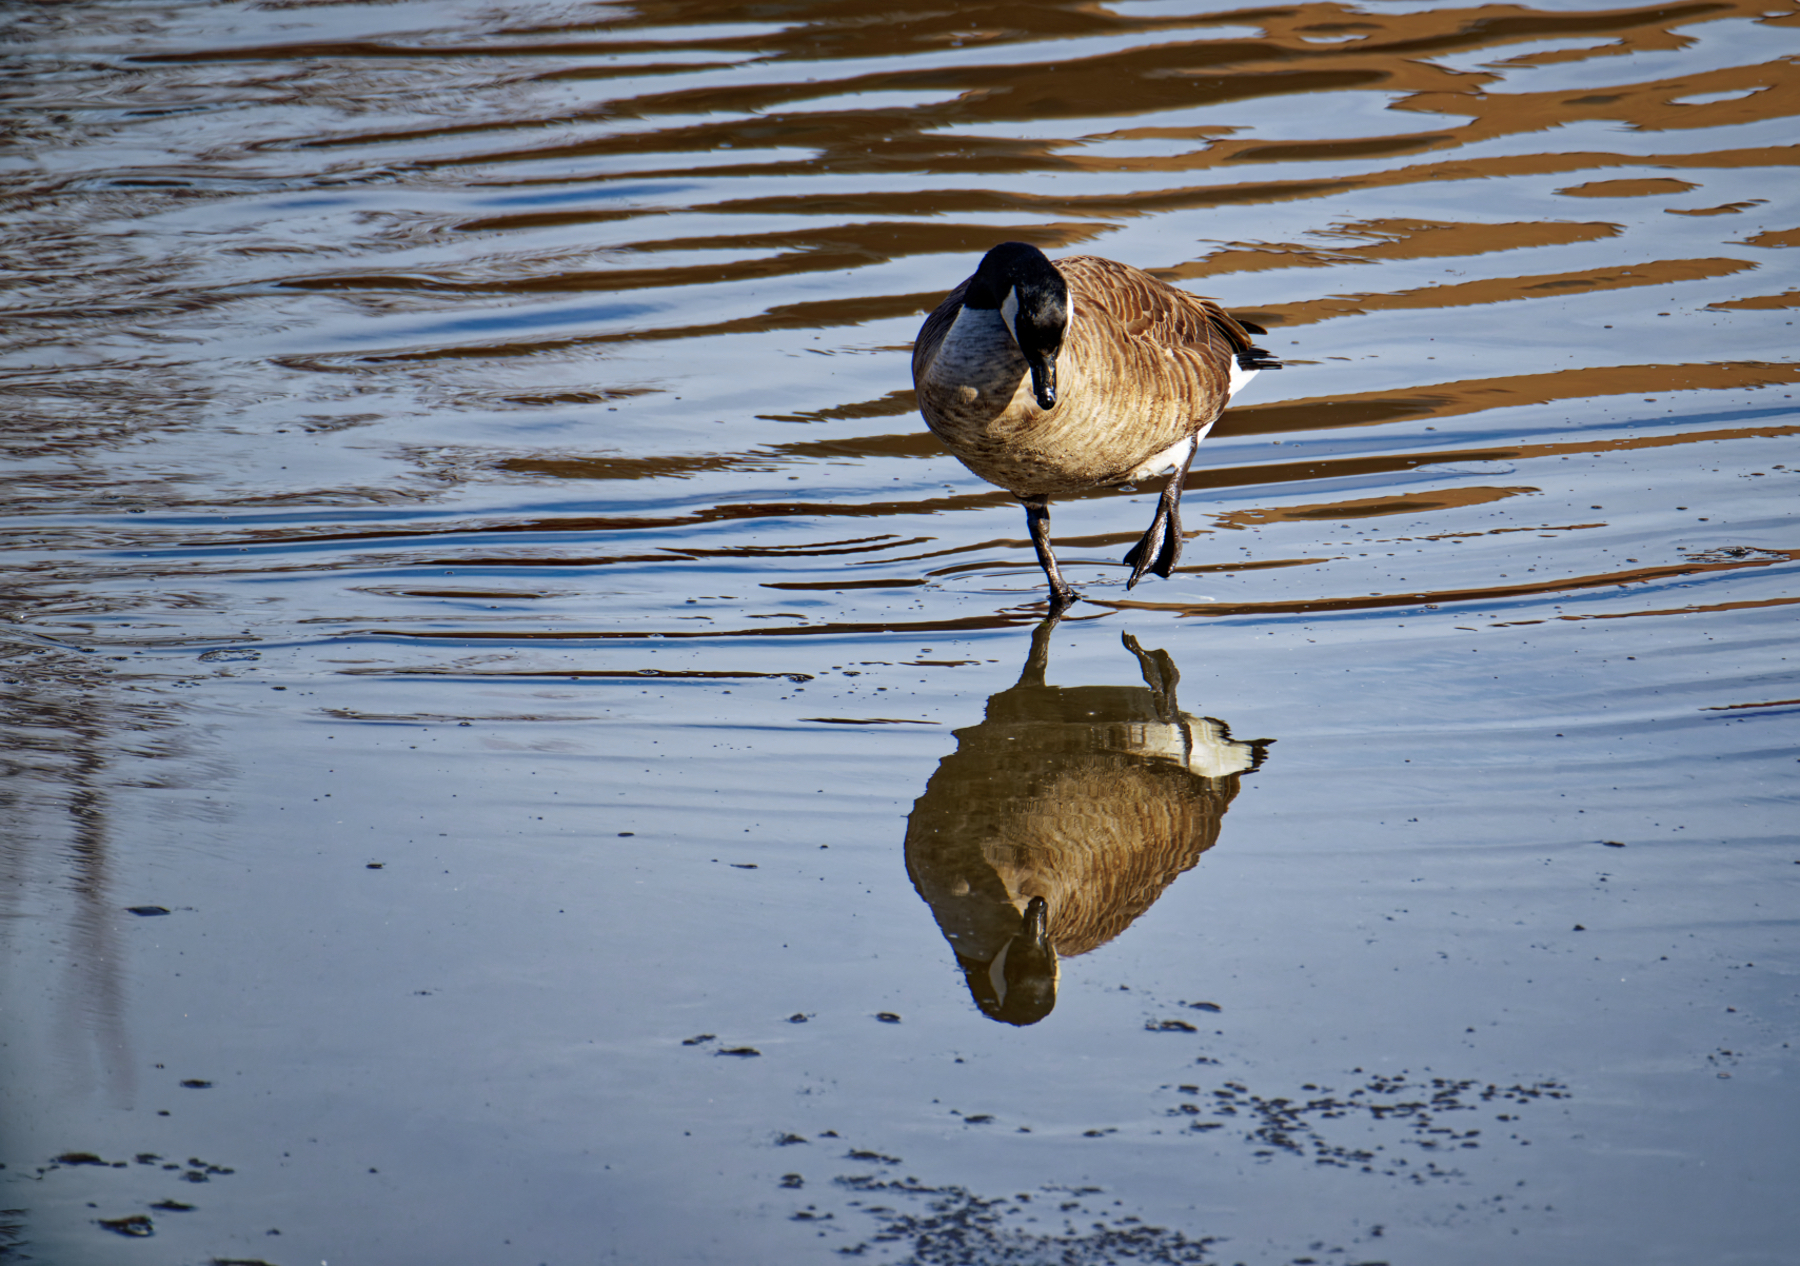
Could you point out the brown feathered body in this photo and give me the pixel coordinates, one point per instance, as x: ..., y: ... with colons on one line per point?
x: 1096, y: 818
x: 1145, y: 370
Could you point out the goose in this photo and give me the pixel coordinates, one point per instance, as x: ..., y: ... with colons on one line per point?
x: 1061, y: 817
x: 1050, y: 378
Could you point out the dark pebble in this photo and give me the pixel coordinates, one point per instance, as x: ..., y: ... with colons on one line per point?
x: 137, y: 1226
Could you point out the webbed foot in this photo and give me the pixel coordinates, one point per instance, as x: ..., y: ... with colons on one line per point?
x: 1160, y: 547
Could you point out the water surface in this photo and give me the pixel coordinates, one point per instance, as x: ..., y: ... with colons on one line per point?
x: 488, y: 640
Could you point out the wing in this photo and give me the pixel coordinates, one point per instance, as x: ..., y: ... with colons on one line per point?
x: 1153, y: 313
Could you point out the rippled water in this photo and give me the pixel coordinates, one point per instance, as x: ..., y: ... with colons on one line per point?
x: 519, y: 745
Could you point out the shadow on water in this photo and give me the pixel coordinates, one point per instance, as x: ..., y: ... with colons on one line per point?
x: 1062, y: 817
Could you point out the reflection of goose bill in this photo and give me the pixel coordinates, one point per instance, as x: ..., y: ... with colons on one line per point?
x: 1019, y: 986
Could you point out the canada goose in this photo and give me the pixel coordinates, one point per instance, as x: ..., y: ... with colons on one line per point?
x: 1053, y: 378
x: 1061, y: 818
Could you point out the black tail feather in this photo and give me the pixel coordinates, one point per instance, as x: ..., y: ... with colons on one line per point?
x: 1257, y: 358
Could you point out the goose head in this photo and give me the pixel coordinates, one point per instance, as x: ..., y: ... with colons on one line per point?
x: 1033, y: 300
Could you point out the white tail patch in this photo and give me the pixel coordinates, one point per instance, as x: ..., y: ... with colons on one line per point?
x: 1239, y: 377
x: 1196, y: 742
x: 1168, y: 459
x: 1213, y: 755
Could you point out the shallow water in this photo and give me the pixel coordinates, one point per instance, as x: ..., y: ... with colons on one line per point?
x: 489, y: 644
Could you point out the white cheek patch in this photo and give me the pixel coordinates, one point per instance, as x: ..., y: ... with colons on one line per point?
x: 1009, y: 312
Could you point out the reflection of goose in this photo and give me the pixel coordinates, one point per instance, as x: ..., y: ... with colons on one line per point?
x: 1061, y: 818
x: 1126, y: 376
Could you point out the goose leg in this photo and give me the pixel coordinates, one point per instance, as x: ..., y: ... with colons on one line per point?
x: 1160, y: 547
x: 1037, y: 519
x: 1160, y: 674
x: 1038, y: 662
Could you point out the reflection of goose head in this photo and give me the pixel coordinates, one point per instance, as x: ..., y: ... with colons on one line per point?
x: 1061, y: 818
x: 1019, y: 986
